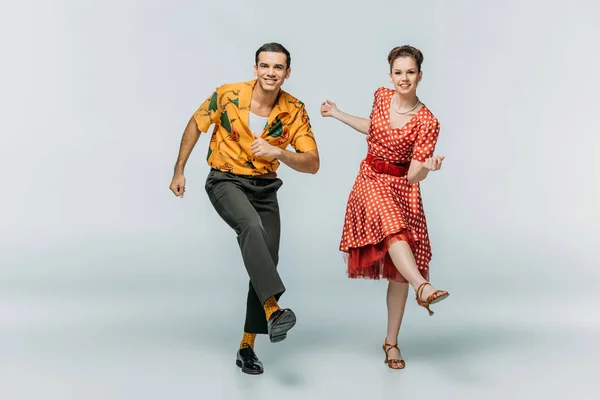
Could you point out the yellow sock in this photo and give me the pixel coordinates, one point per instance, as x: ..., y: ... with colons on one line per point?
x: 270, y: 306
x: 248, y: 340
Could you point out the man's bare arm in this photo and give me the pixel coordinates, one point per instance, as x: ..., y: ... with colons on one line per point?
x: 308, y: 162
x: 188, y: 141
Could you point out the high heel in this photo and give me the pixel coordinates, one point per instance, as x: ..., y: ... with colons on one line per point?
x: 433, y: 298
x: 390, y: 362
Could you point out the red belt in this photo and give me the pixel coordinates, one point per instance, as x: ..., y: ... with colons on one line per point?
x: 382, y: 166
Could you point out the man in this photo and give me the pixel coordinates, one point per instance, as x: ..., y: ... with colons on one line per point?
x: 254, y: 123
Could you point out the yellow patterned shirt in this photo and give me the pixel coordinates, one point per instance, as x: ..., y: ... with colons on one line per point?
x: 230, y: 144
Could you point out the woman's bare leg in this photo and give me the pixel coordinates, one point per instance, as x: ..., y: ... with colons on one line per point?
x: 403, y: 259
x: 397, y: 294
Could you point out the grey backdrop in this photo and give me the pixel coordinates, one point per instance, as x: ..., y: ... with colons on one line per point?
x: 111, y: 287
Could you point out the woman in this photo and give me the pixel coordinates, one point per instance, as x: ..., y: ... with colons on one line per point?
x: 385, y: 232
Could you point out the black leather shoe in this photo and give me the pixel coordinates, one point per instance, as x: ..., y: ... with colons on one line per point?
x: 280, y: 323
x: 248, y: 362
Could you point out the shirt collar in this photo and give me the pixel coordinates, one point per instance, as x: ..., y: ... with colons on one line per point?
x: 282, y: 104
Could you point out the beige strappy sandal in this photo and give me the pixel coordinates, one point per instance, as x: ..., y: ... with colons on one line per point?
x: 433, y: 298
x: 392, y: 363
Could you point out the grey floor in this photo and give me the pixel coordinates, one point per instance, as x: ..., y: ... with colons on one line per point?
x: 174, y: 337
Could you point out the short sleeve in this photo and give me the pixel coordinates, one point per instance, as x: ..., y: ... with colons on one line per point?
x: 376, y: 96
x: 302, y: 139
x: 426, y: 140
x: 208, y: 113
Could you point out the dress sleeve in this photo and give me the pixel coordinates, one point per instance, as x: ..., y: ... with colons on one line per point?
x: 375, y: 103
x: 426, y: 140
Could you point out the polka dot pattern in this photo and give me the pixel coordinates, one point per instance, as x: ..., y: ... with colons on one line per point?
x: 381, y: 205
x: 270, y: 307
x: 248, y: 340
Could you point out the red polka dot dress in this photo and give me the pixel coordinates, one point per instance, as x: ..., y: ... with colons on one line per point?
x: 383, y: 208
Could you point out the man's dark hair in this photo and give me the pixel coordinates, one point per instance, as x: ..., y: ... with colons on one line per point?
x: 275, y: 48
